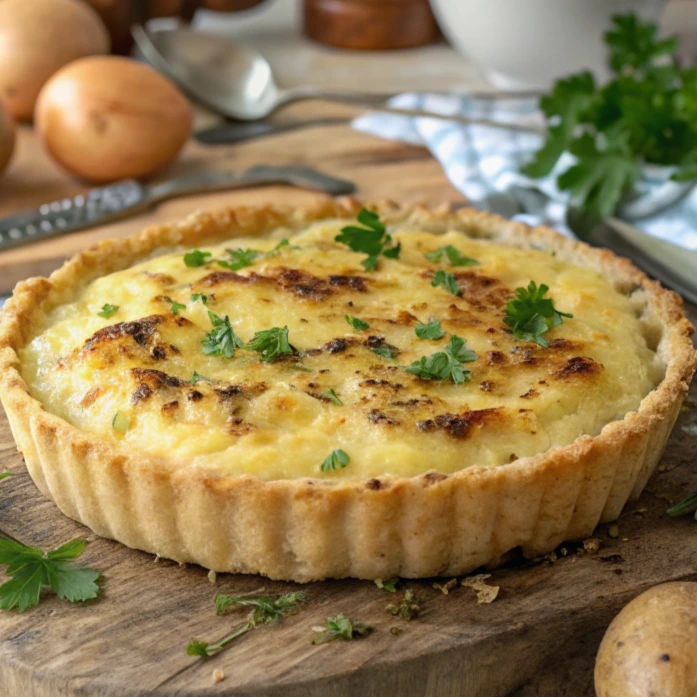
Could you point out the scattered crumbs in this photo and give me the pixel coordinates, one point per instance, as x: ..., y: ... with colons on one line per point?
x: 591, y: 545
x: 617, y: 571
x: 485, y: 593
x: 395, y: 631
x: 408, y: 609
x: 613, y: 531
x: 212, y: 576
x: 157, y: 558
x: 690, y: 429
x: 612, y: 558
x: 445, y: 588
x: 182, y: 564
x: 563, y: 551
x: 641, y: 511
x: 665, y: 467
x: 625, y: 539
x: 218, y: 676
x: 551, y: 557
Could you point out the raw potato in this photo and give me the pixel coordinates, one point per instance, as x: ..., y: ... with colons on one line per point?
x: 650, y: 649
x: 7, y: 139
x: 105, y: 118
x: 37, y: 38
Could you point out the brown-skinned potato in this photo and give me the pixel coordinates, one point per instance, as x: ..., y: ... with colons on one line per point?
x: 650, y: 649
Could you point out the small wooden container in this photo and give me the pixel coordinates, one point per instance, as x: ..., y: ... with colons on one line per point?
x: 370, y: 24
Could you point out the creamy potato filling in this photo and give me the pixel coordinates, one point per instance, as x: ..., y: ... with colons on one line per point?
x: 139, y: 376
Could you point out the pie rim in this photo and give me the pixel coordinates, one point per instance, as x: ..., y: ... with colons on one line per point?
x: 307, y: 529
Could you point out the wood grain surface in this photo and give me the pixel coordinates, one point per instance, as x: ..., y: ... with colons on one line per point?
x: 537, y: 639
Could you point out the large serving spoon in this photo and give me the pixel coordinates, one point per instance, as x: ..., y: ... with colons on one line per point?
x: 237, y: 82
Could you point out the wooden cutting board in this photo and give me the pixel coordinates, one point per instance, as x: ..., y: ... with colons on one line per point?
x: 537, y: 639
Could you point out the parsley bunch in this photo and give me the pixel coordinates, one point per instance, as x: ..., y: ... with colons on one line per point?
x: 371, y: 239
x: 31, y: 570
x: 530, y: 314
x: 271, y: 344
x: 447, y: 364
x: 647, y: 113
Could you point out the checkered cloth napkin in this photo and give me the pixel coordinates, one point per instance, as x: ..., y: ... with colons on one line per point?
x: 484, y: 164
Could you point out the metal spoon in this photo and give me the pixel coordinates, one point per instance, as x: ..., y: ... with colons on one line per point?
x: 238, y: 82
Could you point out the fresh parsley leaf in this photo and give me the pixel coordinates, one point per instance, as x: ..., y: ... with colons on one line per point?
x: 263, y: 611
x: 530, y: 315
x: 390, y: 585
x: 408, y: 609
x: 196, y: 258
x: 454, y: 256
x: 176, y: 306
x: 121, y: 421
x: 199, y: 297
x: 337, y: 459
x: 108, y: 310
x: 330, y: 394
x: 386, y: 351
x: 687, y: 505
x: 239, y: 258
x: 431, y: 330
x: 341, y: 627
x: 221, y: 340
x: 634, y: 45
x: 31, y: 570
x: 447, y: 364
x: 371, y: 239
x: 357, y: 324
x: 271, y: 344
x: 447, y: 280
x: 197, y: 377
x: 4, y: 475
x: 283, y: 244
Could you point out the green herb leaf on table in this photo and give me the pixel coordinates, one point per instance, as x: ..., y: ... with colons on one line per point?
x: 447, y: 280
x: 431, y: 330
x: 341, y: 627
x: 454, y: 256
x: 337, y: 459
x: 271, y: 344
x: 530, y: 314
x: 687, y: 505
x: 447, y: 364
x: 390, y: 585
x: 197, y: 258
x: 4, y: 475
x: 108, y: 310
x: 330, y: 394
x: 239, y: 258
x: 371, y: 239
x: 263, y: 611
x: 357, y: 324
x: 199, y: 297
x: 408, y: 609
x: 31, y: 570
x: 221, y: 340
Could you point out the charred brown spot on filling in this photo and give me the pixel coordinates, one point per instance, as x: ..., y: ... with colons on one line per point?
x: 302, y: 284
x: 482, y: 292
x: 372, y: 382
x: 150, y: 381
x: 523, y: 355
x: 170, y: 407
x: 494, y: 358
x: 357, y: 283
x: 486, y: 386
x: 563, y: 344
x: 238, y: 427
x: 164, y: 279
x: 579, y: 365
x: 245, y: 390
x: 194, y: 396
x: 458, y: 425
x: 218, y: 277
x: 373, y: 484
x: 529, y: 394
x: 375, y: 416
x: 405, y: 318
x: 413, y: 402
x: 338, y: 345
x: 90, y: 397
x: 434, y: 477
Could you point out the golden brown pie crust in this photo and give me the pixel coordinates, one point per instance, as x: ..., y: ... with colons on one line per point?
x: 308, y: 529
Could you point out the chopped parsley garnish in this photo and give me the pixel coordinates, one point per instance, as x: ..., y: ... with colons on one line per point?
x: 645, y: 114
x: 357, y: 324
x: 283, y: 244
x: 108, y: 310
x: 371, y: 239
x: 31, y: 570
x: 199, y: 297
x: 221, y: 340
x: 196, y: 258
x: 530, y: 314
x: 4, y: 475
x: 121, y: 421
x: 687, y: 505
x: 386, y: 351
x: 341, y: 627
x: 454, y: 256
x: 447, y: 280
x: 271, y: 344
x: 175, y: 305
x: 390, y: 585
x: 431, y: 330
x: 330, y: 394
x: 197, y: 377
x: 338, y: 459
x: 263, y: 611
x: 408, y: 609
x: 239, y: 258
x: 447, y: 364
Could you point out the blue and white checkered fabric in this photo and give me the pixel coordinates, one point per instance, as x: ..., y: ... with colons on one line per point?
x: 484, y: 163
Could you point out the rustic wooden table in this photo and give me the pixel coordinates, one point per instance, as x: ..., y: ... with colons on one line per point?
x: 538, y: 639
